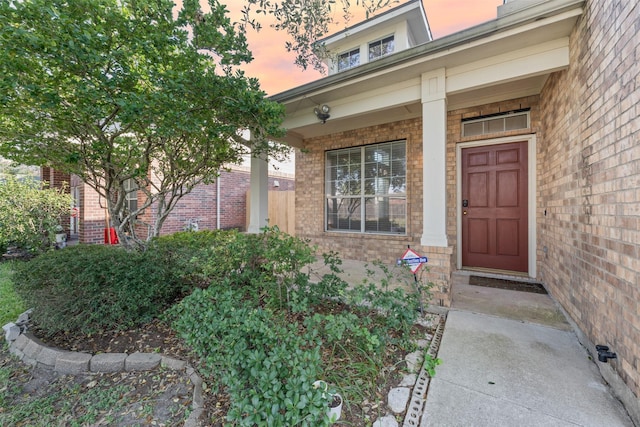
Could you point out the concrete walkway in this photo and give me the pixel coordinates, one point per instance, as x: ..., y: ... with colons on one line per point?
x: 506, y: 372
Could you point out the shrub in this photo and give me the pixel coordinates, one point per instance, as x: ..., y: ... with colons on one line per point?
x: 267, y: 368
x: 30, y: 214
x: 88, y: 288
x: 260, y: 324
x: 190, y: 255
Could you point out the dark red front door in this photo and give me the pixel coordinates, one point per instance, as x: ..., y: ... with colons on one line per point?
x: 494, y: 207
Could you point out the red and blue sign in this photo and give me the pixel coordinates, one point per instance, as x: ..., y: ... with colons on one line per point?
x: 413, y: 260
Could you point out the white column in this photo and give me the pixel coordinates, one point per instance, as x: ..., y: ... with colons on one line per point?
x: 259, y: 194
x: 434, y: 144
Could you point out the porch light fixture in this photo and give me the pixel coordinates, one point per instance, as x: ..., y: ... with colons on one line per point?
x: 322, y: 113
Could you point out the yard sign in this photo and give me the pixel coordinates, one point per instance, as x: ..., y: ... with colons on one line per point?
x: 412, y: 259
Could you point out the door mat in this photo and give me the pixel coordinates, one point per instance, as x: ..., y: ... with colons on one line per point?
x: 512, y: 285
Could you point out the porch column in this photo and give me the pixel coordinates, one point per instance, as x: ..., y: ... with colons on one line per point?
x: 259, y: 194
x: 434, y: 143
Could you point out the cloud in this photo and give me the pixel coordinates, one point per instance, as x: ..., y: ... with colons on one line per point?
x: 274, y: 66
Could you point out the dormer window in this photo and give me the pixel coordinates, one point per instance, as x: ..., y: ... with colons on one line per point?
x: 380, y: 48
x: 349, y: 60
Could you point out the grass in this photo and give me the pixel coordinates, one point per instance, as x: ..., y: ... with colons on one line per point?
x: 11, y: 306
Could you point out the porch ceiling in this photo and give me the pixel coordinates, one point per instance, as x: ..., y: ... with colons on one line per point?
x: 502, y: 59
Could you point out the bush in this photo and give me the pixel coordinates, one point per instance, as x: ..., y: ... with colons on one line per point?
x: 261, y: 323
x: 94, y: 287
x: 267, y: 368
x: 30, y: 215
x: 190, y: 253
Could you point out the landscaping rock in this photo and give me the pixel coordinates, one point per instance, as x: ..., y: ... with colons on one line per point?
x: 72, y: 363
x: 142, y: 361
x: 413, y: 361
x: 398, y: 399
x: 423, y: 343
x: 386, y: 421
x: 23, y: 319
x: 11, y: 332
x: 108, y: 362
x: 408, y: 380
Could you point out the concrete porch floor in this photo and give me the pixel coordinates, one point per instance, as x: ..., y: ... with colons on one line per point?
x: 516, y: 305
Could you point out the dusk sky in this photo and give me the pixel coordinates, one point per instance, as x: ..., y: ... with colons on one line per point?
x: 274, y: 67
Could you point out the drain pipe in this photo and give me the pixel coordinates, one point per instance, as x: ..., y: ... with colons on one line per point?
x: 604, y: 354
x: 218, y: 199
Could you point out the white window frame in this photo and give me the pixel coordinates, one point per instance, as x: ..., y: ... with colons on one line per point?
x: 381, y: 41
x: 349, y: 53
x: 493, y: 118
x: 131, y: 196
x: 361, y: 196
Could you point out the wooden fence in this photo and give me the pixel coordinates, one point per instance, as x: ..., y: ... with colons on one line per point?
x: 282, y: 210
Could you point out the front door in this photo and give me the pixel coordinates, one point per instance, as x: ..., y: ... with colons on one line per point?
x: 494, y: 207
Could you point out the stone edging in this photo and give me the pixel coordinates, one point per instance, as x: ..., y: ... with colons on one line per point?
x: 34, y: 352
x: 419, y: 395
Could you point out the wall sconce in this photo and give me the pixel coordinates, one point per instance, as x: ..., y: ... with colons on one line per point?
x: 322, y: 113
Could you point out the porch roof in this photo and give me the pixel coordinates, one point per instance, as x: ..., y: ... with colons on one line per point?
x: 508, y: 57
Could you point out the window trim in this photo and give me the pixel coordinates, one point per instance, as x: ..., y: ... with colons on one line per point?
x: 381, y: 40
x: 486, y: 118
x: 350, y: 53
x: 131, y: 193
x: 362, y: 194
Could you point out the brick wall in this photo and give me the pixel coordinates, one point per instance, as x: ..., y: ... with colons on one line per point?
x: 368, y: 247
x: 92, y: 216
x: 199, y: 205
x: 589, y: 159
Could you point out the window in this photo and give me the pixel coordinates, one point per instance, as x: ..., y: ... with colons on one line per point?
x: 496, y: 123
x: 131, y: 197
x: 366, y: 187
x: 349, y: 59
x: 380, y: 48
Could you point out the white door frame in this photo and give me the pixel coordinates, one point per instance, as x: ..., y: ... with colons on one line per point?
x: 531, y: 180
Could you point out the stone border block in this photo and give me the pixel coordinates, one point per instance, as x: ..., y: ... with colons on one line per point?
x: 20, y: 343
x: 172, y: 363
x: 142, y: 361
x: 107, y: 362
x: 11, y: 332
x: 31, y: 350
x: 72, y: 363
x: 49, y: 355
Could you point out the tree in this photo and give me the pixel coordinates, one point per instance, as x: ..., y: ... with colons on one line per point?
x: 139, y: 95
x: 124, y: 91
x: 306, y: 21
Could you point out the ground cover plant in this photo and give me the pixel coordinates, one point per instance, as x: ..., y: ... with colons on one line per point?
x: 261, y: 326
x: 265, y: 332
